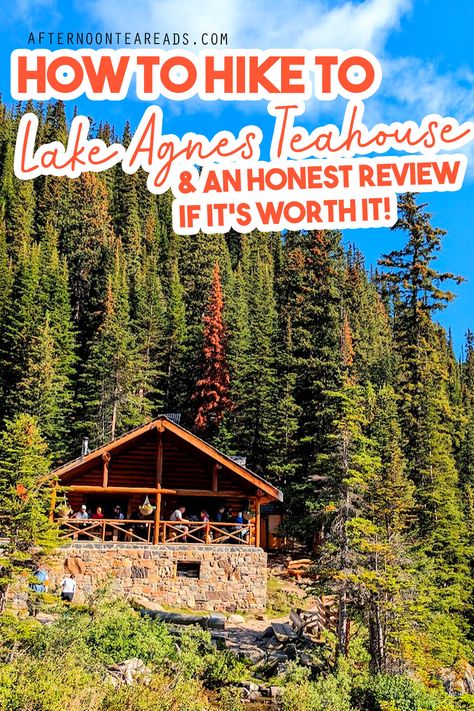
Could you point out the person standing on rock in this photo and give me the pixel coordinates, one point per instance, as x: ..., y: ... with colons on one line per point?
x: 68, y: 588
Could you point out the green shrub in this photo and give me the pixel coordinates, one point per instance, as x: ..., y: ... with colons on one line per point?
x: 16, y: 631
x: 390, y: 692
x: 329, y: 693
x: 111, y: 633
x: 48, y: 684
x: 163, y: 693
x: 198, y: 658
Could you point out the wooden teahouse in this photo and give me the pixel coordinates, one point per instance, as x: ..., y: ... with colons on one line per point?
x: 150, y: 472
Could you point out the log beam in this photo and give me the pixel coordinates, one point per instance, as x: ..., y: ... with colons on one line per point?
x: 105, y: 469
x: 257, y: 521
x: 156, y: 531
x: 215, y: 476
x: 85, y: 489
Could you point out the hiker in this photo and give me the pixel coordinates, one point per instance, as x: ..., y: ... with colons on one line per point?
x: 204, y: 518
x: 40, y: 586
x: 42, y: 577
x: 82, y: 513
x: 118, y: 535
x: 177, y: 516
x: 68, y: 588
x: 240, y: 532
x: 220, y: 514
x: 98, y: 513
x: 118, y: 513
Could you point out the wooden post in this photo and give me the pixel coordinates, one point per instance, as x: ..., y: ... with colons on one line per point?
x: 215, y: 476
x: 159, y: 481
x: 52, y: 506
x: 257, y: 521
x: 159, y: 457
x: 105, y: 469
x: 156, y: 532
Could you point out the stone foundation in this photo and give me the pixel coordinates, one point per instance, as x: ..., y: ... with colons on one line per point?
x: 229, y: 577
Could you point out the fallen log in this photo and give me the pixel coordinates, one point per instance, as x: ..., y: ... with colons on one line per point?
x: 207, y: 622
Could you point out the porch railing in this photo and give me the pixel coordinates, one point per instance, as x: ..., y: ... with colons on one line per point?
x: 143, y: 531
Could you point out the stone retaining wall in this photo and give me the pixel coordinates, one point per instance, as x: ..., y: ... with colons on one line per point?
x: 231, y: 577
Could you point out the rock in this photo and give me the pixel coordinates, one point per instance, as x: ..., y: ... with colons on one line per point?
x: 276, y: 692
x: 45, y: 618
x: 458, y: 682
x: 148, y: 604
x: 253, y: 654
x: 75, y: 565
x: 260, y: 617
x: 129, y: 672
x: 235, y: 619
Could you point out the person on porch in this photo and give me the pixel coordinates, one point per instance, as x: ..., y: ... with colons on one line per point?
x: 177, y: 516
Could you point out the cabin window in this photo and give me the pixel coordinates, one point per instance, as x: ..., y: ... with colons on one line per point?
x: 187, y: 569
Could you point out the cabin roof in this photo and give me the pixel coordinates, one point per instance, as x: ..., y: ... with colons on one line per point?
x: 163, y: 423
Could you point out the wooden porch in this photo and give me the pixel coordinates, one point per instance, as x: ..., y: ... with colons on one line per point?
x: 169, y: 467
x: 142, y: 531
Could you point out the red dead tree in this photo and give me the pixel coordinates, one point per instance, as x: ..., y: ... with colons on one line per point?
x: 212, y: 389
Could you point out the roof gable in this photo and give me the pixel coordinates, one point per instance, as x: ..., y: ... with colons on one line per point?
x: 82, y: 464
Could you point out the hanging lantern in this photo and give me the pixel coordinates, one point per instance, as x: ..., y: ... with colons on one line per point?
x: 146, y: 508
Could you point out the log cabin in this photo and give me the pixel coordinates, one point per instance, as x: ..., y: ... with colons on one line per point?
x: 149, y: 473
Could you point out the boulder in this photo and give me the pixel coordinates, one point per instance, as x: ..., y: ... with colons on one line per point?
x: 129, y: 672
x: 148, y: 604
x: 236, y: 619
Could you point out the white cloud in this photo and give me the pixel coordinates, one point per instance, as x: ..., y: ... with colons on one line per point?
x: 260, y: 23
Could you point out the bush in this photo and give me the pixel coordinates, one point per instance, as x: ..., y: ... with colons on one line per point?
x: 197, y: 657
x: 163, y: 693
x: 48, y: 684
x: 16, y: 631
x: 329, y: 693
x: 386, y: 692
x: 111, y: 632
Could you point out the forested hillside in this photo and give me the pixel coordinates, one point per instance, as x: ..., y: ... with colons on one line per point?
x: 338, y: 385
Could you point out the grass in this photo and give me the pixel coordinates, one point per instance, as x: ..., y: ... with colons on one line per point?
x: 279, y: 600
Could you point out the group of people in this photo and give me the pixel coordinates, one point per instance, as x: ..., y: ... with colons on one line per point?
x: 84, y: 513
x: 67, y: 586
x: 223, y: 515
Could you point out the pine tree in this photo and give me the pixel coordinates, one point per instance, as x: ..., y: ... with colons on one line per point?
x: 253, y: 390
x: 109, y: 385
x: 177, y: 345
x: 311, y: 294
x: 18, y: 201
x: 88, y: 246
x: 212, y: 389
x: 25, y: 496
x: 149, y: 327
x: 426, y: 407
x: 21, y: 320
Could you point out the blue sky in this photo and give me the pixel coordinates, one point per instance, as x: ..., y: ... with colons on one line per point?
x: 424, y: 46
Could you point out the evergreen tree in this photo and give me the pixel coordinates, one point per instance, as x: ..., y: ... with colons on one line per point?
x: 25, y: 499
x: 109, y: 385
x: 149, y: 328
x: 177, y: 348
x: 311, y: 291
x: 212, y: 390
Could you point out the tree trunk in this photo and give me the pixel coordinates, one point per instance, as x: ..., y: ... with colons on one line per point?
x: 342, y: 625
x: 376, y: 639
x: 3, y: 597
